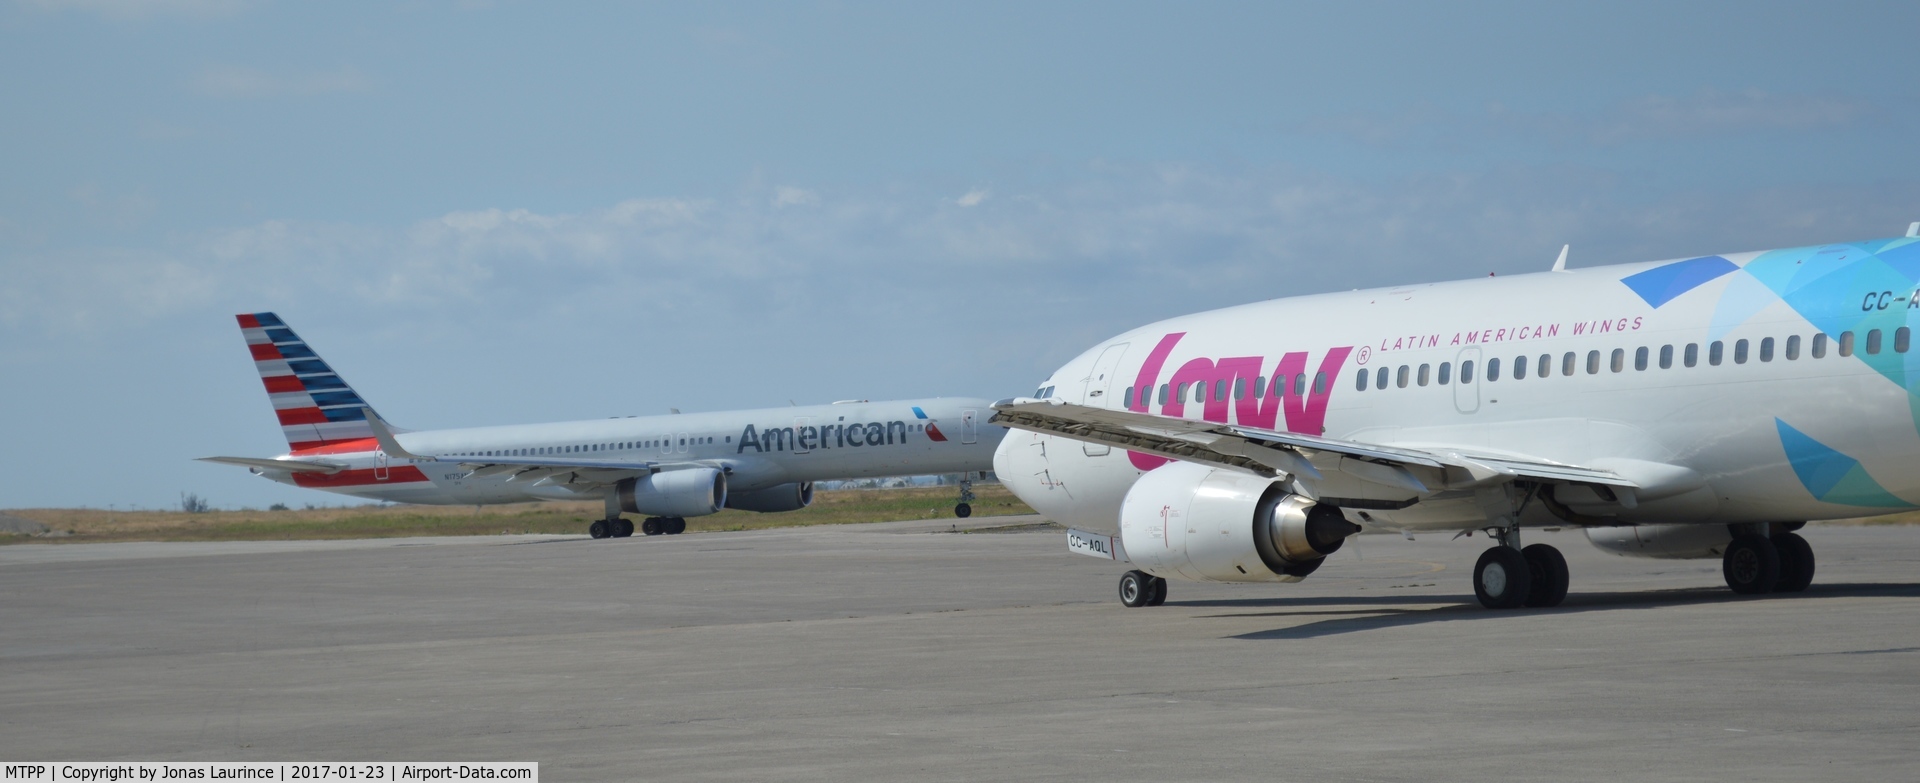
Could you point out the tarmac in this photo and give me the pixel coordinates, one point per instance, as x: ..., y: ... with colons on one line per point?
x: 917, y: 651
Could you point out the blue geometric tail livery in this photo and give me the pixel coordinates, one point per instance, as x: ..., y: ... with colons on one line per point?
x: 315, y: 407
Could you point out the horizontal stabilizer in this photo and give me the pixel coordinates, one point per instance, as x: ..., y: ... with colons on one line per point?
x: 289, y: 465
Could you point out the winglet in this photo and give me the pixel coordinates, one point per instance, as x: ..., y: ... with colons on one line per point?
x: 388, y: 443
x: 1561, y: 264
x: 1914, y: 230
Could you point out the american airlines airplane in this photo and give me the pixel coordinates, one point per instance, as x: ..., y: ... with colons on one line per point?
x: 1694, y: 408
x: 666, y: 467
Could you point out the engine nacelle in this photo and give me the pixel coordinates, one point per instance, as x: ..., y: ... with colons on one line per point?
x: 786, y: 497
x: 694, y: 492
x: 1671, y: 542
x: 1215, y: 525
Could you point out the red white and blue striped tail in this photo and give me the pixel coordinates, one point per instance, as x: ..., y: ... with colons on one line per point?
x: 317, y: 409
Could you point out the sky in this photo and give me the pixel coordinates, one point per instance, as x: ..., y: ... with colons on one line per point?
x: 500, y: 212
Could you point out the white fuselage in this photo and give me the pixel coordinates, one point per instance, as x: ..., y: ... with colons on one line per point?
x: 1777, y: 433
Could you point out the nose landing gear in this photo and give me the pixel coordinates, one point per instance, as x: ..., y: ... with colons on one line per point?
x: 964, y: 508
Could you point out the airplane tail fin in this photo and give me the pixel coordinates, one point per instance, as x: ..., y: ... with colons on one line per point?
x: 315, y: 406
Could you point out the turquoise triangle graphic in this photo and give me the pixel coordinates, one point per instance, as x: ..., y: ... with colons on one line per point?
x: 1831, y: 476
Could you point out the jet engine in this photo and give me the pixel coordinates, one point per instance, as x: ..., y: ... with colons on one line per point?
x: 785, y: 497
x: 1669, y: 542
x: 692, y: 492
x: 1215, y: 525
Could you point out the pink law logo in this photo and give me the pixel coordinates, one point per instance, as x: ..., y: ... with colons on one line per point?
x: 1303, y: 400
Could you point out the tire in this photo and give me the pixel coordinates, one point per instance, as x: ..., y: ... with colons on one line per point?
x: 1136, y: 589
x: 963, y: 511
x: 1796, y: 562
x: 626, y: 528
x: 1751, y: 565
x: 1547, y: 570
x: 1502, y: 580
x: 1159, y: 591
x: 598, y: 529
x: 650, y: 526
x: 675, y: 526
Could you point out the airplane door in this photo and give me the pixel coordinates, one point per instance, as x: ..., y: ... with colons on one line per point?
x: 380, y: 466
x: 1099, y: 383
x: 1098, y: 391
x: 1466, y: 382
x: 969, y: 426
x: 800, y: 424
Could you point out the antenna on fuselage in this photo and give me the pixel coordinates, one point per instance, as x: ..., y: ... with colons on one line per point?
x: 1560, y: 264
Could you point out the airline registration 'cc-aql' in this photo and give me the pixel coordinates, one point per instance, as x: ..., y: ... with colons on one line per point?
x: 666, y: 467
x: 1697, y: 408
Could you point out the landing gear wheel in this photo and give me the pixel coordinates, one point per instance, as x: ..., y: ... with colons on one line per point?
x: 1136, y: 589
x: 1796, y: 562
x: 963, y: 510
x: 650, y: 526
x: 1751, y: 565
x: 674, y: 526
x: 1159, y: 592
x: 625, y: 527
x: 1548, y: 572
x: 1502, y: 579
x: 598, y: 529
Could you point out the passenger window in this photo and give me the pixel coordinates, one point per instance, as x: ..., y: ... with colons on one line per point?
x: 1740, y: 352
x: 1200, y: 392
x: 1640, y: 358
x: 1425, y: 369
x: 1716, y: 353
x: 1493, y: 370
x: 1593, y: 362
x: 1320, y: 383
x: 1300, y: 385
x: 1400, y: 378
x: 1566, y: 364
x: 1666, y: 357
x: 1219, y: 390
x: 1163, y: 396
x: 1181, y: 393
x: 1545, y: 368
x: 1239, y: 388
x: 1793, y: 347
x: 1693, y: 355
x: 1360, y: 380
x: 1819, y: 350
x: 1846, y: 343
x: 1619, y: 363
x: 1260, y: 386
x: 1873, y: 341
x: 1380, y: 380
x: 1902, y: 339
x: 1466, y: 371
x: 1519, y: 368
x: 1766, y: 349
x: 1446, y: 373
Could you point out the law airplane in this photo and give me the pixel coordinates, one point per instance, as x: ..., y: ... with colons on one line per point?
x: 1694, y: 408
x: 666, y: 467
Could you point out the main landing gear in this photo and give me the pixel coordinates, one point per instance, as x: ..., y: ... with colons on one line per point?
x: 964, y: 508
x: 1139, y: 588
x: 668, y: 526
x: 610, y: 528
x: 1757, y: 563
x: 1509, y: 576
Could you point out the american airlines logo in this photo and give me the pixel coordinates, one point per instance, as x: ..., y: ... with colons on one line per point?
x: 1234, y: 391
x: 824, y: 436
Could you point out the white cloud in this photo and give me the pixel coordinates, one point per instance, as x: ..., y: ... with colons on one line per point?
x: 234, y: 81
x: 973, y: 197
x: 792, y: 197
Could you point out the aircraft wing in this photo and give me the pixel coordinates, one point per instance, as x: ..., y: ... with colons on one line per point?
x: 289, y: 465
x: 1421, y: 471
